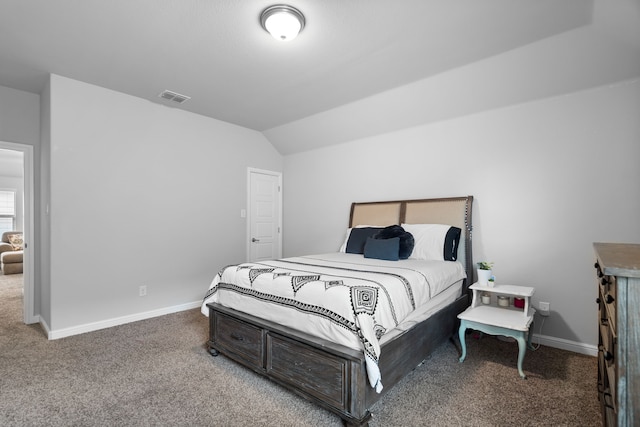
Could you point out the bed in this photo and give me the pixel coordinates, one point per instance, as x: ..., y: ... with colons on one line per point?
x: 275, y: 317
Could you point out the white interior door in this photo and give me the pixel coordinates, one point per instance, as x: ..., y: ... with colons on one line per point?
x: 264, y: 221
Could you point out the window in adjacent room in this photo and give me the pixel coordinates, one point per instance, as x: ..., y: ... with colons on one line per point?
x: 7, y: 210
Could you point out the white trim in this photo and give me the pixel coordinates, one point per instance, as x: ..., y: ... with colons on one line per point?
x: 29, y: 312
x: 45, y: 326
x: 251, y: 170
x: 109, y: 323
x: 576, y: 347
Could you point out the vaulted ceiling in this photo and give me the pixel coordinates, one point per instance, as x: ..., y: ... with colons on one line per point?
x: 216, y: 52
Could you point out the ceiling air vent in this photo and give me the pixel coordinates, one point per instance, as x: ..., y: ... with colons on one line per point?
x: 173, y: 96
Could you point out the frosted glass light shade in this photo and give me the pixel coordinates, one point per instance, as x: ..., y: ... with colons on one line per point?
x: 282, y: 22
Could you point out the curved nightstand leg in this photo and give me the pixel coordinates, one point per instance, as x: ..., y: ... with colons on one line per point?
x: 529, y: 335
x: 522, y: 348
x: 461, y: 335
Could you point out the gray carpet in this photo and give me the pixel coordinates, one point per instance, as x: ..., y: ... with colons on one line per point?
x: 158, y: 372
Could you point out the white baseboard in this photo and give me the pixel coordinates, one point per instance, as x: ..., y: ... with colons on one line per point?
x: 45, y: 326
x: 576, y: 347
x: 103, y: 324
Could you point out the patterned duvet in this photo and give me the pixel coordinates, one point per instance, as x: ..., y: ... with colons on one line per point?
x: 344, y: 298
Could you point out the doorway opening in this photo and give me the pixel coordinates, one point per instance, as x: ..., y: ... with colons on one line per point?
x: 16, y: 184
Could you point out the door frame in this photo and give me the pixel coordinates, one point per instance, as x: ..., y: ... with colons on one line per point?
x: 28, y: 310
x: 248, y: 211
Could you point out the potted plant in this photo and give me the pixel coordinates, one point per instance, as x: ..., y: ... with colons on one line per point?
x: 484, y: 272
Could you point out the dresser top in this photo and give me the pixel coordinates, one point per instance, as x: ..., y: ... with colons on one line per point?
x: 619, y: 259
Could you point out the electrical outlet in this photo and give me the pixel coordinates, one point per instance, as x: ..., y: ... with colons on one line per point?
x: 143, y: 291
x: 544, y: 308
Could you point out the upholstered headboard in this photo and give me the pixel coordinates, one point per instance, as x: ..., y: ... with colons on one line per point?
x: 454, y: 211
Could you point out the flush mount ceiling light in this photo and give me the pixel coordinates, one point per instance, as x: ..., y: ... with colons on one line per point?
x: 282, y: 22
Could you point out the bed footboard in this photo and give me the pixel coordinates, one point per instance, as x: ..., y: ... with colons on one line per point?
x: 327, y: 374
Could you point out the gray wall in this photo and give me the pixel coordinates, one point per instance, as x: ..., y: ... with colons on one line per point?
x: 539, y: 135
x: 549, y: 178
x: 141, y: 194
x: 19, y: 117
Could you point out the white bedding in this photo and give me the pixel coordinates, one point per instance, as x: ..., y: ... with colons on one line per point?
x: 344, y: 298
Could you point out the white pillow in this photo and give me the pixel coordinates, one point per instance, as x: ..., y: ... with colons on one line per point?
x: 343, y: 248
x: 429, y: 240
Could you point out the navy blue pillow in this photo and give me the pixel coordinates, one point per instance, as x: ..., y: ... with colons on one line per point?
x: 386, y: 249
x: 406, y: 239
x: 358, y: 237
x: 451, y: 242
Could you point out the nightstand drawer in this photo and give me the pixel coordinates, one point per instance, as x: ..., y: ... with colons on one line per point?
x: 240, y: 338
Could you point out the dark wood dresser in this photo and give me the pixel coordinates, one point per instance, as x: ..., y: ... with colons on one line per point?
x: 618, y: 270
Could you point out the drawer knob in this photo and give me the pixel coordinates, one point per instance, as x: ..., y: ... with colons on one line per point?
x: 608, y: 356
x: 237, y: 337
x: 609, y: 299
x: 598, y: 300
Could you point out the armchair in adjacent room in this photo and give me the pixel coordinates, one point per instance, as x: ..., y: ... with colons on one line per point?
x: 11, y: 251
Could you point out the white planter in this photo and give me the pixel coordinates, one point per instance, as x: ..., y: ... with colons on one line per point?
x: 483, y: 277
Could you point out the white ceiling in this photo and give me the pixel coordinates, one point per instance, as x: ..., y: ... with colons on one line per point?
x: 216, y: 52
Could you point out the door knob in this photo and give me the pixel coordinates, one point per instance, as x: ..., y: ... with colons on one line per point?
x: 253, y: 239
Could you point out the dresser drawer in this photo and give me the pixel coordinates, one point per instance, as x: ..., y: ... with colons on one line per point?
x: 608, y: 297
x: 618, y: 271
x: 603, y: 314
x: 293, y: 361
x: 608, y: 364
x: 240, y: 338
x: 607, y: 338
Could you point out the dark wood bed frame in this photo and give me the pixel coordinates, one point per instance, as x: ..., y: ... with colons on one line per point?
x: 331, y: 375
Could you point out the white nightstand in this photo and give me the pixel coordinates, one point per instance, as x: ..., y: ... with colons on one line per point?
x: 493, y: 319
